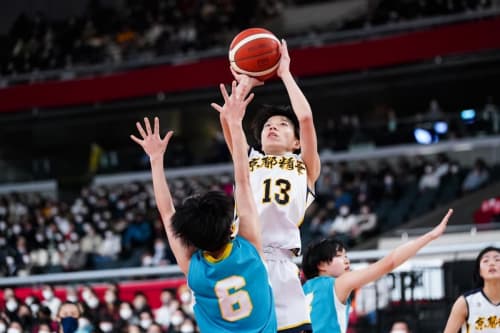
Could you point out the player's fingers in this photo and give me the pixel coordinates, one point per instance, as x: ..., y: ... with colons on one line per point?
x: 156, y: 125
x: 224, y: 93
x: 284, y: 47
x: 167, y: 137
x: 233, y: 87
x: 216, y: 107
x: 136, y: 139
x: 140, y: 129
x: 148, y: 126
x: 249, y: 99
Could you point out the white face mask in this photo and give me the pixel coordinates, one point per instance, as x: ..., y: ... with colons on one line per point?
x: 43, y: 331
x: 185, y: 297
x: 72, y: 298
x: 93, y: 302
x: 145, y: 323
x: 2, y: 327
x: 125, y: 313
x: 177, y: 320
x: 187, y: 328
x: 106, y: 327
x: 47, y: 294
x: 13, y: 330
x: 11, y: 305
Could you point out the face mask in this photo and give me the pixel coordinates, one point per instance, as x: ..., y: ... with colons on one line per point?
x: 145, y: 323
x: 106, y: 327
x: 47, y: 294
x: 43, y: 331
x: 13, y: 330
x: 187, y: 329
x: 2, y: 327
x: 177, y: 320
x: 34, y: 308
x: 125, y: 313
x: 69, y: 324
x: 11, y: 305
x: 92, y: 302
x: 72, y: 298
x: 185, y: 297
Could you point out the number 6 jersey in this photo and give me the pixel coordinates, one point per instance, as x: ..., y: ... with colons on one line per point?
x: 279, y: 184
x: 232, y: 293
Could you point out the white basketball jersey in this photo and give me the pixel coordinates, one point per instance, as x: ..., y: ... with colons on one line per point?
x: 279, y: 185
x: 484, y: 316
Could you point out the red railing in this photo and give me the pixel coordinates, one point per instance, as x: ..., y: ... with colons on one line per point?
x: 311, y: 61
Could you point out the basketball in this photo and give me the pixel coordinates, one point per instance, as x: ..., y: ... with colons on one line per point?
x: 255, y: 52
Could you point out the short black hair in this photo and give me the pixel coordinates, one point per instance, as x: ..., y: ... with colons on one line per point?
x: 204, y: 221
x: 476, y: 275
x: 317, y: 252
x: 268, y: 111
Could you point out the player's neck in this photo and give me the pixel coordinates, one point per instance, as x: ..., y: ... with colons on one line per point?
x: 276, y: 151
x: 492, y: 290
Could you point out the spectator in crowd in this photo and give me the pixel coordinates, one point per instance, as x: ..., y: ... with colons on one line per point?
x: 67, y: 315
x: 400, y: 326
x: 476, y: 177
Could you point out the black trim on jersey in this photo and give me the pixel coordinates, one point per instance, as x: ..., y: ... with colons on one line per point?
x: 465, y: 294
x: 306, y: 328
x: 484, y: 295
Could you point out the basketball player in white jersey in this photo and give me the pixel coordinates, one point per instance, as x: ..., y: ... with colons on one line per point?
x: 478, y: 310
x: 282, y: 181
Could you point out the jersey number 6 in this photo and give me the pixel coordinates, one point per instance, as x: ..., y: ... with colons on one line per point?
x: 234, y: 303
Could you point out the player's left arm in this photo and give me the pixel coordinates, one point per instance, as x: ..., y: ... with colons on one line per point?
x: 155, y: 146
x: 234, y: 111
x: 302, y: 109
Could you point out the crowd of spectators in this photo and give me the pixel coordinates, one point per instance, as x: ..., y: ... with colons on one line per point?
x: 143, y: 30
x: 118, y: 226
x: 109, y: 313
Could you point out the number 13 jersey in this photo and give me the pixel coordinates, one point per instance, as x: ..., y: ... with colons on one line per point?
x: 279, y: 185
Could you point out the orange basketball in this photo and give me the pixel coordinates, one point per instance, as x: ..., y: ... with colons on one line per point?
x: 255, y: 52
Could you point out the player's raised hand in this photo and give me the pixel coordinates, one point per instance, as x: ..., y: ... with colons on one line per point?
x: 246, y: 81
x: 284, y: 66
x: 150, y: 140
x: 235, y: 104
x: 440, y: 228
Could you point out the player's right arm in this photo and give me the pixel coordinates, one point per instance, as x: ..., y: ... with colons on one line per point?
x: 155, y: 147
x: 349, y: 281
x: 233, y: 112
x: 458, y: 316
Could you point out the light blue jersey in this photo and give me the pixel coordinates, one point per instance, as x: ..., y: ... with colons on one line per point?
x: 328, y: 314
x: 232, y: 293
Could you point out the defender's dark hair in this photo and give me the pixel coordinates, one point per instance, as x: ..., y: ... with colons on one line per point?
x: 204, y: 221
x: 476, y: 275
x: 268, y: 111
x: 317, y: 252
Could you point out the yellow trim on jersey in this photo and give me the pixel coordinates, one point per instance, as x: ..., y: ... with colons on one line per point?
x: 227, y: 251
x: 294, y: 325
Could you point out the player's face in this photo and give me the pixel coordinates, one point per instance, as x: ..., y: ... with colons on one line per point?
x: 278, y: 136
x: 338, y: 266
x: 489, y: 266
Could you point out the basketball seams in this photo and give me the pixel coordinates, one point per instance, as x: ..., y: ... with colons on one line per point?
x: 261, y: 73
x: 248, y: 39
